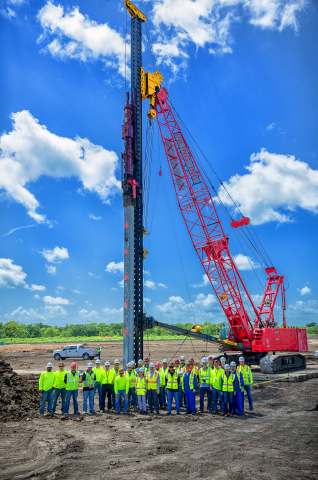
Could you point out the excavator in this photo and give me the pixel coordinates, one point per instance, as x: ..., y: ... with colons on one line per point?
x: 260, y: 339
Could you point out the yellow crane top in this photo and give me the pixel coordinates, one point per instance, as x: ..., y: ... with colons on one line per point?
x: 134, y: 11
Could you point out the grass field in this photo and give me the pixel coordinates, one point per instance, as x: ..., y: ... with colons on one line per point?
x: 78, y: 340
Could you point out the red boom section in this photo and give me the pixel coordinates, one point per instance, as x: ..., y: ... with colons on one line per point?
x: 202, y: 221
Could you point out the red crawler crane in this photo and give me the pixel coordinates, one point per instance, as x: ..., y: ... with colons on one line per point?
x: 212, y: 246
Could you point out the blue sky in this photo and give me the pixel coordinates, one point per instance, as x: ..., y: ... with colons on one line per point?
x: 242, y: 75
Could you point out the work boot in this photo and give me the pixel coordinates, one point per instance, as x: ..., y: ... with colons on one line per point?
x: 168, y: 413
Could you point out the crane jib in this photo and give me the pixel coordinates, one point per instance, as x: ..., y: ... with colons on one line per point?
x: 187, y: 158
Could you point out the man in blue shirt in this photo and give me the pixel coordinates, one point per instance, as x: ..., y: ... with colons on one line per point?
x: 190, y: 387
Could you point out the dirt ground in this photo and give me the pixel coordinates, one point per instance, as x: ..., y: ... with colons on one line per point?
x: 34, y: 357
x: 278, y: 441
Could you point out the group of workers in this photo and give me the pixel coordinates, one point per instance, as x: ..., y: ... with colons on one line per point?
x: 149, y: 387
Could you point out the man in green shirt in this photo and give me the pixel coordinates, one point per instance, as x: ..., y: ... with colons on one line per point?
x: 121, y: 388
x: 46, y: 389
x: 98, y: 370
x: 59, y: 387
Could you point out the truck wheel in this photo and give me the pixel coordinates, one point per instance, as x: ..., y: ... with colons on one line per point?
x: 91, y: 358
x: 85, y: 356
x: 57, y: 356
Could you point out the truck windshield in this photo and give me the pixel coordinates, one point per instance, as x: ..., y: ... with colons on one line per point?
x: 224, y: 333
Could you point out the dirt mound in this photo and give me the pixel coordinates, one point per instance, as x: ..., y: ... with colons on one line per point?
x: 18, y: 399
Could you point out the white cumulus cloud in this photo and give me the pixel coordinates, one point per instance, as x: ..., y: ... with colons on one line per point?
x: 30, y: 151
x: 275, y: 186
x: 150, y: 284
x: 11, y: 276
x: 114, y: 267
x: 180, y: 23
x: 162, y: 285
x: 244, y: 262
x: 55, y: 300
x: 87, y: 314
x: 91, y: 215
x: 304, y: 291
x: 55, y: 255
x: 37, y: 287
x: 50, y: 269
x: 204, y: 283
x: 78, y: 37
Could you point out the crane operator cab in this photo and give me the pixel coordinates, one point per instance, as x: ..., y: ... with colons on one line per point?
x: 224, y: 333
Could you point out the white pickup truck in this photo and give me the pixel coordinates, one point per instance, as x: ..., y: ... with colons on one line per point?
x: 75, y: 351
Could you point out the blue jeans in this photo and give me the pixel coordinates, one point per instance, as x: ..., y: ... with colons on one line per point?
x: 98, y: 387
x: 69, y: 395
x: 216, y: 394
x: 90, y: 395
x: 227, y: 399
x: 180, y: 393
x: 190, y: 400
x: 249, y: 396
x: 162, y: 397
x: 204, y: 390
x: 173, y: 395
x: 56, y: 395
x: 46, y: 395
x: 152, y: 397
x: 132, y: 398
x: 121, y: 393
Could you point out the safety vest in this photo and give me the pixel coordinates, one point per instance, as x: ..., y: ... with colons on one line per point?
x: 99, y: 349
x: 228, y: 382
x: 162, y: 378
x: 152, y: 383
x: 140, y: 386
x: 245, y: 370
x: 90, y: 378
x: 191, y: 380
x: 46, y: 380
x: 216, y: 376
x: 194, y: 369
x: 132, y: 379
x: 98, y: 372
x: 146, y: 369
x: 238, y: 374
x: 58, y: 381
x: 107, y: 377
x: 204, y: 376
x: 72, y: 380
x: 165, y: 370
x: 172, y: 381
x: 116, y: 373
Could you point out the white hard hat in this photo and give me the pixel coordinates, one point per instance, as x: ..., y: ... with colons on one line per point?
x: 90, y: 364
x: 223, y: 359
x: 241, y: 359
x: 49, y: 365
x: 227, y: 366
x: 97, y: 361
x: 182, y: 357
x: 232, y: 364
x: 151, y: 364
x: 116, y: 361
x: 141, y: 369
x: 204, y: 360
x: 107, y: 364
x: 130, y: 365
x: 140, y: 360
x: 165, y: 361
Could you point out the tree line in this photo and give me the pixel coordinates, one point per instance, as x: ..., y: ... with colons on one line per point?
x: 40, y: 330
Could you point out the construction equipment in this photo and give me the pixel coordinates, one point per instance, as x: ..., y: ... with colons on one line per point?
x: 256, y: 339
